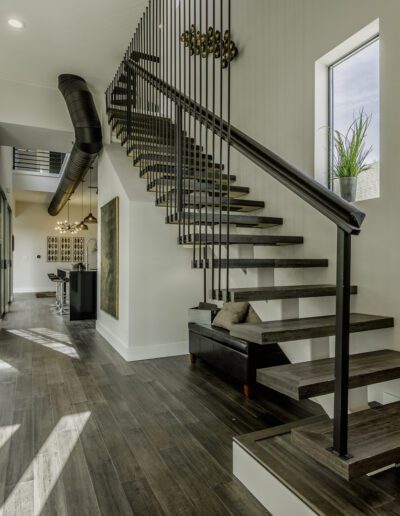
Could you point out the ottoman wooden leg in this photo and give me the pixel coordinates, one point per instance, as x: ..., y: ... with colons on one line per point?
x: 192, y: 358
x: 247, y: 390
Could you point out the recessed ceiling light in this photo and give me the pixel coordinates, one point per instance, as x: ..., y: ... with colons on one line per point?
x: 16, y: 24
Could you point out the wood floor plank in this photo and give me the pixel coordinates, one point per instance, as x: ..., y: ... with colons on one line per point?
x: 99, y: 436
x: 78, y: 484
x: 110, y: 495
x: 203, y: 499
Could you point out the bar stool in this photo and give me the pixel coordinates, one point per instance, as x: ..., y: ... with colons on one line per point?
x: 59, y: 295
x: 52, y: 277
x: 66, y: 297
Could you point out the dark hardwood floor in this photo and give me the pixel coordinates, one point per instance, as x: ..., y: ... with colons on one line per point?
x: 82, y: 432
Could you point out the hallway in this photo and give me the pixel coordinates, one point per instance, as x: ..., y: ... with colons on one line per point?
x: 82, y: 432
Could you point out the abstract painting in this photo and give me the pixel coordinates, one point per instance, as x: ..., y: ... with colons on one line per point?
x: 109, y: 265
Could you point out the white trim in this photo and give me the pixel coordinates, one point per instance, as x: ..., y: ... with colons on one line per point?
x: 170, y: 349
x: 33, y: 290
x: 114, y: 341
x: 135, y: 353
x: 269, y: 491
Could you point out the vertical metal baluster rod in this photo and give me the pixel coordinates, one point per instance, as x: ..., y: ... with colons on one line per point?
x: 180, y: 151
x: 206, y: 153
x: 228, y: 150
x: 213, y: 162
x: 186, y: 165
x: 203, y: 174
x: 221, y: 108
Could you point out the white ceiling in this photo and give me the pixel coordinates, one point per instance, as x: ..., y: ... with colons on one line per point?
x: 84, y: 37
x: 28, y: 137
x: 30, y: 196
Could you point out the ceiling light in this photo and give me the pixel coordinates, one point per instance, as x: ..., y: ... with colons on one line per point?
x: 90, y: 219
x: 16, y: 24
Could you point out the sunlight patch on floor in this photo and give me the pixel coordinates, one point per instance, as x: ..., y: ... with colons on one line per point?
x: 6, y: 433
x: 5, y: 366
x: 61, y: 337
x: 47, y: 466
x: 48, y: 343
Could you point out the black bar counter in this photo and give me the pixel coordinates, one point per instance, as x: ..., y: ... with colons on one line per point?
x: 83, y: 295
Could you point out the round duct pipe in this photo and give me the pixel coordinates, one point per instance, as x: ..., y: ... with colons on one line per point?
x: 88, y: 138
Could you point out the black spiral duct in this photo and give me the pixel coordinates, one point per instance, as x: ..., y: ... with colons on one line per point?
x: 88, y: 138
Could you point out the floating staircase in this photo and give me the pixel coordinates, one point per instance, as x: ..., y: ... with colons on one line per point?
x: 182, y: 149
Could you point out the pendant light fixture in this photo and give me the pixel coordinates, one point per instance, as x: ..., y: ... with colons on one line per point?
x: 90, y: 219
x: 82, y: 226
x: 66, y: 226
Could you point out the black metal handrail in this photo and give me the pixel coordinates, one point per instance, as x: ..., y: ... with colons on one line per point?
x: 342, y: 213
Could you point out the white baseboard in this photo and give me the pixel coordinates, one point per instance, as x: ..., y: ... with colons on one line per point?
x: 269, y: 491
x: 114, y: 341
x: 33, y: 290
x: 135, y: 353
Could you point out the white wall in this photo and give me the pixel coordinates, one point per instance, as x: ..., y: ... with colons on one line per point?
x: 273, y: 100
x: 117, y: 332
x: 28, y: 105
x: 157, y: 284
x: 32, y: 225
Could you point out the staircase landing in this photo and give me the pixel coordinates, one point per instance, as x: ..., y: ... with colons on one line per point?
x: 287, y: 481
x: 374, y: 442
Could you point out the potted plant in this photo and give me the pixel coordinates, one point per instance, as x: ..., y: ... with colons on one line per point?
x: 350, y: 155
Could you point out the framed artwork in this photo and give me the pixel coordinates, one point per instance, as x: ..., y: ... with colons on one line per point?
x: 53, y: 248
x: 65, y: 249
x: 109, y: 258
x: 78, y: 249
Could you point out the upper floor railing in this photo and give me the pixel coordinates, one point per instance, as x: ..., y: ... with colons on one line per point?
x: 38, y: 161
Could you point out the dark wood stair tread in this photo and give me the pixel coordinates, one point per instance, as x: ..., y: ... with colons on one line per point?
x: 159, y: 145
x: 234, y: 204
x: 316, y: 378
x: 167, y: 172
x: 273, y: 240
x: 284, y: 292
x: 305, y: 328
x: 269, y: 263
x: 200, y: 172
x: 374, y: 441
x: 235, y: 219
x: 191, y: 185
x: 159, y: 158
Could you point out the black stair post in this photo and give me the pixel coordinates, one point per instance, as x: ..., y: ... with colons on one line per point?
x: 340, y: 422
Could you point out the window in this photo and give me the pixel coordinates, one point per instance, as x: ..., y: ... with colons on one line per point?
x: 353, y: 87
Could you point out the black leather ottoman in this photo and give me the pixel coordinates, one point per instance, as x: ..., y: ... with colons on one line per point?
x: 234, y: 356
